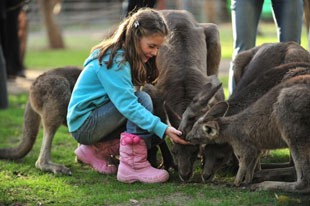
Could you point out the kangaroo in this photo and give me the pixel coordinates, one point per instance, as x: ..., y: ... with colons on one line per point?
x: 278, y: 119
x: 48, y: 100
x: 188, y: 63
x: 255, y: 74
x: 216, y: 155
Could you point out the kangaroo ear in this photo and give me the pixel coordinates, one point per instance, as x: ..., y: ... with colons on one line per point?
x: 212, y: 129
x: 173, y: 117
x: 219, y: 109
x: 205, y: 87
x: 202, y: 99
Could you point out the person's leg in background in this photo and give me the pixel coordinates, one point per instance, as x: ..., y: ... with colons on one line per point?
x: 4, y: 103
x: 288, y: 16
x: 3, y: 75
x: 12, y: 52
x: 134, y: 5
x: 245, y: 17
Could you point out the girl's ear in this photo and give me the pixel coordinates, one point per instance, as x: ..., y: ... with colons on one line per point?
x: 212, y: 129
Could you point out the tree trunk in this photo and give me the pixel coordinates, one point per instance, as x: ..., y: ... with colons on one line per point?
x: 22, y: 34
x: 53, y: 30
x: 225, y: 16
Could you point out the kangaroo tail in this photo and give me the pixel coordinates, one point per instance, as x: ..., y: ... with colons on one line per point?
x: 31, y: 127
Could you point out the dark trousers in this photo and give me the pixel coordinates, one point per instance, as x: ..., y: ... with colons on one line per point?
x: 3, y: 87
x: 134, y: 5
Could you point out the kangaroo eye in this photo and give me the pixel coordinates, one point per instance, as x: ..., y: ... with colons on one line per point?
x: 206, y: 129
x: 213, y: 132
x: 209, y: 130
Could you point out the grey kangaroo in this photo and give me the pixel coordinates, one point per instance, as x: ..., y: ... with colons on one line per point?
x: 48, y: 100
x: 256, y: 73
x: 189, y: 63
x: 278, y: 119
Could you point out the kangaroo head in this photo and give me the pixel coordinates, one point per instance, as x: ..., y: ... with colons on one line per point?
x: 203, y: 132
x: 198, y: 106
x: 206, y: 128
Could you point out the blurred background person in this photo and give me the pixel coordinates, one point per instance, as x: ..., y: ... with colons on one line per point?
x: 135, y: 5
x: 287, y: 15
x: 9, y: 37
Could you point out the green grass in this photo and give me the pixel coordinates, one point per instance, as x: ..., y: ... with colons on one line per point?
x: 78, y: 46
x: 267, y: 34
x: 22, y: 184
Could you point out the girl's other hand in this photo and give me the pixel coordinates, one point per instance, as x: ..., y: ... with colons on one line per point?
x: 174, y: 135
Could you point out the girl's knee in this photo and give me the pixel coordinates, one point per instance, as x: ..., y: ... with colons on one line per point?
x: 80, y: 138
x: 145, y: 100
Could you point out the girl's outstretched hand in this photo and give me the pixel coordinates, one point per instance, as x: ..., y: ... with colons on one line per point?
x: 174, y: 135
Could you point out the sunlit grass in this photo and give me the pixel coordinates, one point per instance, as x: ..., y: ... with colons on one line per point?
x: 22, y: 184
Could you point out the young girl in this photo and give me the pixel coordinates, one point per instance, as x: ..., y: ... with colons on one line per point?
x: 104, y: 98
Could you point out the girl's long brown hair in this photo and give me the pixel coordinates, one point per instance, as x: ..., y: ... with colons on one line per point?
x: 144, y: 22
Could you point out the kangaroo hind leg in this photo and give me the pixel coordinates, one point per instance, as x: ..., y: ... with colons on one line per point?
x: 53, y: 114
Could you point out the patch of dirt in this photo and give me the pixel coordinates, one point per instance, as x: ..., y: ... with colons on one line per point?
x: 175, y: 198
x: 22, y: 85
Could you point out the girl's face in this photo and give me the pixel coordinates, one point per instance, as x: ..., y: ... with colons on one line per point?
x: 150, y: 45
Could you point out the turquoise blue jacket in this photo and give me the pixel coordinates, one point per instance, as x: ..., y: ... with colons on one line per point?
x: 97, y: 85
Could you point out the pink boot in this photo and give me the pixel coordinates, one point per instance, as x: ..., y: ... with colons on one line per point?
x: 97, y: 155
x: 133, y: 162
x: 107, y: 148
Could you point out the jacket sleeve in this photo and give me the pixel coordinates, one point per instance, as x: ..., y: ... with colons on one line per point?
x: 118, y: 85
